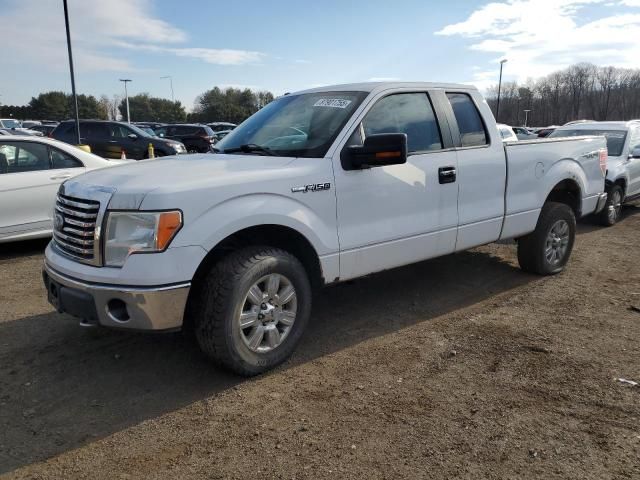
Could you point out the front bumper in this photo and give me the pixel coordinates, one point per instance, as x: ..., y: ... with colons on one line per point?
x: 602, y: 200
x: 117, y: 306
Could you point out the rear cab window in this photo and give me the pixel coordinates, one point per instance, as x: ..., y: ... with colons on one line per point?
x: 473, y: 132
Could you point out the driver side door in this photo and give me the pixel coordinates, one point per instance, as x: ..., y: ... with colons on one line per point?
x: 398, y: 214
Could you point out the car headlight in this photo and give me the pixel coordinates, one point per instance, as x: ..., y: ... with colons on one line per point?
x: 135, y: 232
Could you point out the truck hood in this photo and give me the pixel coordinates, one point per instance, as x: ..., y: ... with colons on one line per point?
x: 133, y: 181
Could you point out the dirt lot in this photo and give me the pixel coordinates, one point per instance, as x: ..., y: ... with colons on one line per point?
x: 459, y: 367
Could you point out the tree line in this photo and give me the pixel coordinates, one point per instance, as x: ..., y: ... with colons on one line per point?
x: 581, y: 91
x: 215, y: 105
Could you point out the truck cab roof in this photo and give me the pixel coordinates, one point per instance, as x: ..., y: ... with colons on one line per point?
x: 372, y: 87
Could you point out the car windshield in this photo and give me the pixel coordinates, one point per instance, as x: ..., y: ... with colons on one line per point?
x: 615, y: 138
x: 11, y: 123
x: 302, y: 125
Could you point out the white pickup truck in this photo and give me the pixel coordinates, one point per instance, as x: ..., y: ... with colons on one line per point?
x: 318, y: 187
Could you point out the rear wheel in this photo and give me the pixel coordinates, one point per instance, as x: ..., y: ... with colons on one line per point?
x: 547, y: 249
x: 613, y: 208
x: 252, y: 308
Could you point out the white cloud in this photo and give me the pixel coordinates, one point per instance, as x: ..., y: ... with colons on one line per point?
x: 100, y: 29
x: 218, y: 56
x: 383, y: 79
x: 541, y: 36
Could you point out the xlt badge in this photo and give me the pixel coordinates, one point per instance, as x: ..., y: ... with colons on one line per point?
x: 314, y: 187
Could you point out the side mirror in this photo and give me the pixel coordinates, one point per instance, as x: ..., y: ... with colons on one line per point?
x: 378, y: 151
x: 133, y: 136
x: 161, y: 135
x: 635, y: 152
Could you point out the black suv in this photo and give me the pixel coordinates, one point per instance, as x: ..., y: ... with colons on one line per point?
x: 109, y: 139
x: 197, y: 138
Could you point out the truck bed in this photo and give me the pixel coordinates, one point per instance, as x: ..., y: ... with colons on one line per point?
x: 535, y: 167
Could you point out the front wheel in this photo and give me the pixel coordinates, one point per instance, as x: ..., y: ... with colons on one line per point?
x: 252, y: 308
x: 613, y: 208
x: 547, y: 249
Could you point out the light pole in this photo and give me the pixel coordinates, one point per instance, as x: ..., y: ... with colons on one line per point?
x: 526, y: 117
x: 126, y: 96
x: 502, y: 62
x: 73, y: 79
x: 171, y: 83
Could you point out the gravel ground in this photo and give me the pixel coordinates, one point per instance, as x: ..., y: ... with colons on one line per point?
x: 459, y: 367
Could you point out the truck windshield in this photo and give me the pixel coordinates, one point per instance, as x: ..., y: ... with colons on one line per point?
x: 302, y: 125
x: 615, y: 138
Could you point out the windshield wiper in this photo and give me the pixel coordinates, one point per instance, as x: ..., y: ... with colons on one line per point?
x: 251, y: 148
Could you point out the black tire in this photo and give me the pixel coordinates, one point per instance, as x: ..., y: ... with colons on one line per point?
x: 533, y: 248
x: 222, y: 295
x: 610, y: 214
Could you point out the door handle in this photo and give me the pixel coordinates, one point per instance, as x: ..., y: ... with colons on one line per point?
x: 447, y: 174
x: 61, y: 177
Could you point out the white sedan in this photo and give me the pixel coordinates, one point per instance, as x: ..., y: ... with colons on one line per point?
x: 31, y: 170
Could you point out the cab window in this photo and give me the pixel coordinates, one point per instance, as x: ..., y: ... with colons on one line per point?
x: 470, y: 125
x: 409, y: 113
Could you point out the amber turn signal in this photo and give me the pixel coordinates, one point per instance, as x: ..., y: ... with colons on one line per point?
x: 388, y: 154
x: 168, y: 225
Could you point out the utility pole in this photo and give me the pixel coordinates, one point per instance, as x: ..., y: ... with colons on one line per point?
x: 126, y: 96
x: 73, y: 79
x: 526, y: 117
x: 502, y: 62
x: 171, y: 83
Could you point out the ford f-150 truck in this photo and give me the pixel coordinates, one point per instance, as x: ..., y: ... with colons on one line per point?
x: 318, y: 187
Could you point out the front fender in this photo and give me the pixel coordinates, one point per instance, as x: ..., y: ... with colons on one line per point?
x: 238, y: 213
x: 617, y: 171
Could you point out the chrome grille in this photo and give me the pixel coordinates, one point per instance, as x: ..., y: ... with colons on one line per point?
x: 74, y: 226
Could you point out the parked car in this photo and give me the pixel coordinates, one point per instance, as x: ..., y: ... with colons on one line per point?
x: 221, y: 126
x: 151, y: 125
x: 195, y: 137
x: 148, y: 130
x: 574, y: 122
x: 9, y: 123
x: 221, y: 134
x: 523, y: 133
x: 545, y: 132
x: 31, y: 170
x: 44, y: 129
x: 318, y: 187
x: 623, y: 170
x: 21, y: 131
x: 506, y: 133
x: 109, y: 139
x: 30, y: 123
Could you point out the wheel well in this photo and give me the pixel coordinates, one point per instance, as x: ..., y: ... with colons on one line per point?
x: 621, y: 182
x: 567, y: 192
x: 270, y: 235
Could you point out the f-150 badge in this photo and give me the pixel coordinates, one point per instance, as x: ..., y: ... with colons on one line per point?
x: 314, y: 187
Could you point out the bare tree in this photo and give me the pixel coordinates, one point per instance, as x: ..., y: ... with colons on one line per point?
x: 579, y: 91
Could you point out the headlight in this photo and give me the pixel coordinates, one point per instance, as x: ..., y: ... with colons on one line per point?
x: 133, y: 232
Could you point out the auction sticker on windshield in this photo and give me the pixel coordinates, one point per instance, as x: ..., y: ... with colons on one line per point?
x: 332, y: 103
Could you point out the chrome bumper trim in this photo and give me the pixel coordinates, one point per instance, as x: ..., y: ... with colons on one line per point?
x: 149, y: 308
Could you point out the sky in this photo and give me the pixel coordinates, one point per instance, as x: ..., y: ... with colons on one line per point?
x: 285, y: 45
